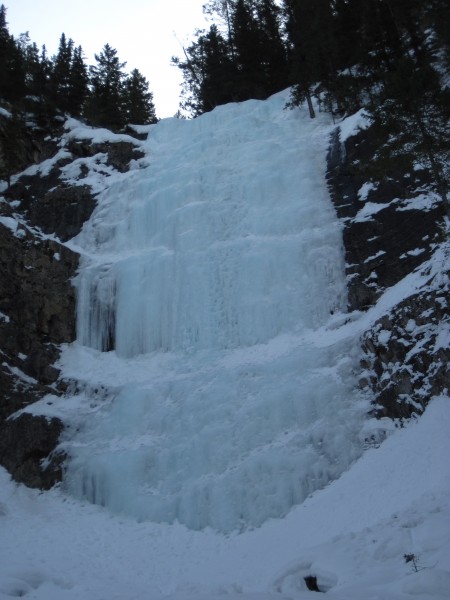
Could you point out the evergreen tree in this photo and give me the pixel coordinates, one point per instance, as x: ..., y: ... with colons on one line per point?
x: 61, y: 74
x: 411, y: 114
x: 12, y: 130
x: 12, y: 75
x: 311, y: 35
x: 224, y: 10
x: 139, y: 107
x: 78, y: 83
x: 219, y: 71
x: 36, y: 71
x: 274, y: 61
x: 105, y: 105
x: 439, y: 15
x: 208, y: 71
x: 249, y: 49
x: 247, y: 60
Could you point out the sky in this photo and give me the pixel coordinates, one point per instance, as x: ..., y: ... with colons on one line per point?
x: 145, y: 33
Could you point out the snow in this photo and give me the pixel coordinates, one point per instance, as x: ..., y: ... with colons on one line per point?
x: 141, y: 129
x: 425, y: 201
x: 14, y: 225
x: 384, y: 336
x: 10, y: 223
x: 351, y: 125
x: 375, y: 256
x: 43, y: 169
x: 95, y: 168
x: 19, y: 374
x: 368, y: 210
x: 365, y: 189
x: 76, y: 130
x: 352, y: 536
x: 414, y: 252
x: 221, y: 450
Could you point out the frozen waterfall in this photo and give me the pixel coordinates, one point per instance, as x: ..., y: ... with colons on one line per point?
x: 204, y: 279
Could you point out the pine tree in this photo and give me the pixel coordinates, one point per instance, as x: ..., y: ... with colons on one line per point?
x: 139, y: 107
x: 12, y: 74
x: 105, y: 105
x: 12, y: 131
x: 310, y: 31
x: 248, y: 61
x: 35, y: 71
x: 249, y: 52
x: 219, y: 71
x: 60, y: 75
x: 78, y: 83
x: 411, y: 114
x: 224, y: 10
x: 274, y: 60
x: 438, y: 12
x: 209, y: 74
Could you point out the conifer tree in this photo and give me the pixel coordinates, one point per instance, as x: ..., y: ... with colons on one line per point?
x: 247, y: 60
x: 249, y: 48
x: 11, y: 152
x: 439, y: 15
x: 35, y: 73
x: 61, y: 73
x: 310, y: 30
x: 12, y: 75
x: 208, y: 71
x: 219, y: 71
x: 139, y: 107
x: 223, y: 9
x: 105, y: 105
x: 274, y: 60
x: 78, y: 83
x: 411, y: 112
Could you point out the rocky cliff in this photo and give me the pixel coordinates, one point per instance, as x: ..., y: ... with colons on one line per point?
x: 393, y: 227
x: 394, y: 236
x: 43, y: 207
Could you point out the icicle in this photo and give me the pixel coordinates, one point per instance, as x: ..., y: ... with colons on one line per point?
x: 96, y: 289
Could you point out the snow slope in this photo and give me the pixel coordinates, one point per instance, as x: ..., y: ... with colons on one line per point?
x: 352, y: 536
x: 217, y: 451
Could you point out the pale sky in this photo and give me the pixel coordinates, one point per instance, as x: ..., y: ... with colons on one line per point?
x: 142, y: 31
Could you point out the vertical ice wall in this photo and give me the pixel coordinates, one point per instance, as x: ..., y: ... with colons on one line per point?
x: 218, y: 257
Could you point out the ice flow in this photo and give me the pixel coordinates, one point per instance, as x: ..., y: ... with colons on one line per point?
x: 203, y: 277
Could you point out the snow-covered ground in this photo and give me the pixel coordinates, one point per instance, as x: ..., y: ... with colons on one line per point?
x: 352, y: 536
x: 222, y: 443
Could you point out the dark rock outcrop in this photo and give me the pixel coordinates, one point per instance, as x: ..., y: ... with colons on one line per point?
x: 119, y: 154
x: 383, y: 245
x: 406, y: 356
x: 62, y: 211
x: 389, y: 231
x: 27, y: 450
x: 42, y: 208
x: 37, y: 306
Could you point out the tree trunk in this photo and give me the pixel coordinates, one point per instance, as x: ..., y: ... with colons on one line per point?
x: 312, y: 114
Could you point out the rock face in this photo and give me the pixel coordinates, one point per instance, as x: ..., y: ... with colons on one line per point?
x: 39, y: 211
x: 27, y: 446
x: 37, y: 305
x: 406, y: 362
x: 391, y: 229
x: 37, y: 301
